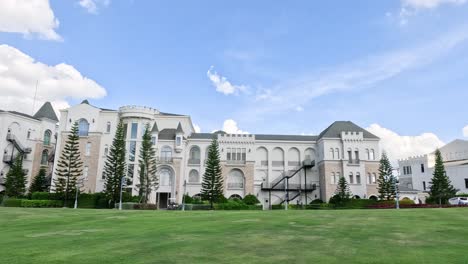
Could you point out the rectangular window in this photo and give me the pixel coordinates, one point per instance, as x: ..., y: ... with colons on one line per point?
x: 424, y: 185
x: 132, y: 150
x: 351, y: 178
x: 178, y: 141
x: 243, y: 154
x: 108, y: 128
x: 374, y: 178
x: 85, y: 172
x: 369, y: 178
x: 134, y: 132
x: 228, y: 151
x: 239, y: 154
x: 88, y: 149
x: 125, y: 128
x: 106, y: 151
x: 466, y: 183
x: 422, y: 168
x: 153, y: 141
x: 130, y: 171
x: 332, y: 178
x: 350, y: 156
x: 358, y: 178
x: 356, y: 153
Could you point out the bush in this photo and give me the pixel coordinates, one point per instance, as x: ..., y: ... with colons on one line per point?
x: 128, y: 198
x: 234, y: 204
x: 201, y: 207
x: 406, y: 201
x: 251, y: 199
x: 41, y: 203
x: 317, y: 201
x: 12, y: 202
x: 277, y: 207
x: 41, y: 196
x: 187, y: 199
x: 140, y: 206
x: 222, y: 199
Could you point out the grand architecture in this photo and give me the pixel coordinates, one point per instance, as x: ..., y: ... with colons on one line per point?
x: 416, y: 172
x: 275, y: 168
x: 33, y: 137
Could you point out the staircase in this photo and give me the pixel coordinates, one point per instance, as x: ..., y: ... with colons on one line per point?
x: 12, y: 138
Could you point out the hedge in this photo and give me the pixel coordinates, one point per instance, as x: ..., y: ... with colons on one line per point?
x: 41, y: 203
x: 12, y: 202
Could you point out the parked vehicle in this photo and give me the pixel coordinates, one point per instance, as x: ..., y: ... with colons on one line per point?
x: 458, y: 201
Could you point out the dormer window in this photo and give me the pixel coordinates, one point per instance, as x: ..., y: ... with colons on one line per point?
x: 178, y: 140
x: 154, y: 140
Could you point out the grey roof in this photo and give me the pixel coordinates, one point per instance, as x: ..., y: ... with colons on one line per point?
x: 167, y: 134
x: 202, y: 136
x: 169, y: 114
x: 46, y: 111
x: 85, y: 101
x: 335, y: 129
x: 179, y: 129
x: 155, y: 128
x: 286, y: 137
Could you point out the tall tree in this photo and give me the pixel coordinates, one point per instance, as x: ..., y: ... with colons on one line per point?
x: 148, y: 167
x: 15, y: 182
x: 212, y: 185
x: 39, y: 183
x: 114, y: 168
x: 441, y: 187
x: 69, y: 166
x: 342, y: 193
x: 386, y: 180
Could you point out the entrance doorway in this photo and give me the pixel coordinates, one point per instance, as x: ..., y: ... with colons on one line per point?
x: 163, y: 200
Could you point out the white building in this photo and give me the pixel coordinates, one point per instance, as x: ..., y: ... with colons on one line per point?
x: 251, y: 164
x: 33, y: 137
x: 416, y: 172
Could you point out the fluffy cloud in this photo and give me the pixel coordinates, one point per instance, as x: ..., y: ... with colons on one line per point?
x: 223, y: 85
x: 19, y: 74
x: 430, y: 4
x: 230, y: 126
x: 29, y: 17
x: 399, y: 147
x: 465, y: 131
x: 92, y: 6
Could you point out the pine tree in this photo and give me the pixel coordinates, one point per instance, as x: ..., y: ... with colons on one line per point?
x: 386, y: 180
x: 39, y: 183
x: 212, y: 185
x: 15, y: 182
x: 342, y: 193
x: 148, y: 167
x: 114, y: 168
x: 441, y: 187
x: 69, y: 166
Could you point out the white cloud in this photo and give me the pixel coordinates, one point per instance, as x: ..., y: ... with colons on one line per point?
x: 465, y: 131
x: 230, y: 127
x: 92, y: 6
x: 223, y: 85
x: 400, y: 147
x: 29, y: 17
x: 197, y: 128
x: 411, y: 8
x: 362, y: 74
x: 19, y: 73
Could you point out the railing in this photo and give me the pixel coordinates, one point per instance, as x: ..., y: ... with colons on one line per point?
x: 235, y: 185
x: 7, y: 158
x: 194, y: 161
x: 264, y: 163
x: 277, y: 163
x: 294, y: 163
x: 164, y: 160
x: 236, y: 162
x: 354, y: 162
x: 291, y: 186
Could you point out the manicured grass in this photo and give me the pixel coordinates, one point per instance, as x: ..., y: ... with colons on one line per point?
x: 345, y: 236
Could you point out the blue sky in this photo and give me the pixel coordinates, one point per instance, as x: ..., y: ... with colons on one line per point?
x: 270, y: 66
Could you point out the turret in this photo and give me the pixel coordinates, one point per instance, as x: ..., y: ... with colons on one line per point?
x: 179, y: 137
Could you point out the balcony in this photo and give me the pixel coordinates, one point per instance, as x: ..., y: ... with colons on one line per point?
x: 264, y: 163
x: 277, y: 163
x: 164, y: 160
x: 294, y: 163
x: 7, y: 159
x: 235, y: 185
x: 194, y: 161
x: 354, y: 162
x: 235, y: 162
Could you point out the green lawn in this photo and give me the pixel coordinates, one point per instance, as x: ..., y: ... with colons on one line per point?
x: 345, y: 236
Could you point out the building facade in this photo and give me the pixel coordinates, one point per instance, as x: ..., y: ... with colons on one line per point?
x: 416, y: 172
x: 33, y: 137
x: 275, y: 168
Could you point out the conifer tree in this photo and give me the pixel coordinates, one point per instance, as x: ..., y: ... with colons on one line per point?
x: 441, y: 187
x: 148, y: 167
x: 39, y: 183
x: 386, y: 180
x: 69, y: 166
x: 342, y: 193
x: 15, y: 182
x: 212, y: 184
x: 114, y: 168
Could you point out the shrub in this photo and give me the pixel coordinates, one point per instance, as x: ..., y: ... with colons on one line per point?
x: 41, y: 196
x: 406, y: 201
x: 251, y: 199
x: 128, y: 198
x: 317, y: 201
x: 277, y: 206
x: 12, y: 202
x: 234, y: 204
x: 201, y: 207
x: 462, y: 195
x: 187, y: 199
x: 41, y: 203
x: 197, y: 200
x: 222, y: 199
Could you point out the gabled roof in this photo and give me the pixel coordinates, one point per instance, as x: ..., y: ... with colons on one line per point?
x: 179, y: 129
x: 335, y: 129
x: 46, y: 111
x: 167, y: 134
x: 155, y: 128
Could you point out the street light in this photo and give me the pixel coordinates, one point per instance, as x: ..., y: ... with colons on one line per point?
x: 81, y: 182
x: 397, y: 196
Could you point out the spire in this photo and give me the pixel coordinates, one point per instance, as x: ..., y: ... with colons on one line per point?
x: 179, y: 129
x: 85, y: 102
x: 155, y: 128
x: 46, y: 111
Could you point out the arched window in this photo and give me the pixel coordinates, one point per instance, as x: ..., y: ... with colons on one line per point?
x: 350, y: 155
x: 194, y: 176
x: 165, y: 177
x: 83, y: 127
x: 45, y: 157
x: 351, y: 178
x: 374, y: 178
x: 235, y: 179
x: 369, y: 178
x: 278, y: 157
x: 294, y: 158
x: 332, y: 153
x: 333, y: 178
x: 166, y: 154
x: 372, y: 155
x: 261, y: 156
x: 47, y: 136
x: 106, y: 150
x: 337, y: 153
x: 235, y: 196
x: 194, y: 156
x: 108, y: 127
x: 310, y: 154
x: 368, y: 154
x: 358, y: 178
